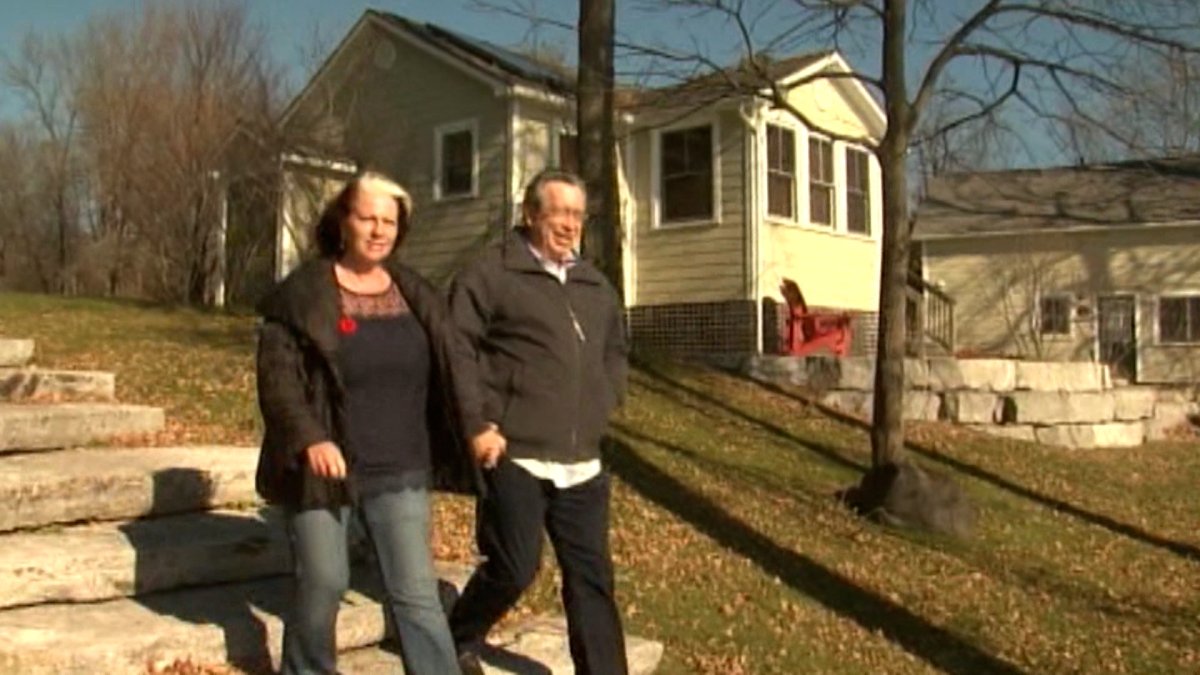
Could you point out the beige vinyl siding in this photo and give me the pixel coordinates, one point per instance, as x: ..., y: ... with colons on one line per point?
x: 389, y: 115
x: 833, y: 267
x: 832, y: 271
x: 693, y: 263
x: 826, y: 103
x: 995, y: 282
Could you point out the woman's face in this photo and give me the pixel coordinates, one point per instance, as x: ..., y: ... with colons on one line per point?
x: 371, y: 227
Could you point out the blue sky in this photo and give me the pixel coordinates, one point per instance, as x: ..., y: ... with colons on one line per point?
x: 291, y: 25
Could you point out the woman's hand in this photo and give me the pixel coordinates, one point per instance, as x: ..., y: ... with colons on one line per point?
x: 325, y: 460
x: 488, y: 446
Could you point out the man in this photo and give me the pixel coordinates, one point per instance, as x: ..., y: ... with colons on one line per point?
x: 547, y: 330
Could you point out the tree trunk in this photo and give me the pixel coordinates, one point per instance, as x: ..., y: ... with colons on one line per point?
x: 887, y: 427
x: 597, y: 138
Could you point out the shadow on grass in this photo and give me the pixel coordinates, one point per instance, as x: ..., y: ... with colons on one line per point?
x: 937, y: 646
x: 822, y: 451
x: 1181, y: 549
x: 719, y: 468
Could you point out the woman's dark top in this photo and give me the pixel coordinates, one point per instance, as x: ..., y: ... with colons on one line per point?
x: 385, y: 363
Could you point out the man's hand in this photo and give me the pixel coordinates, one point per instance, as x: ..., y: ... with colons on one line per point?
x: 488, y: 446
x: 325, y: 460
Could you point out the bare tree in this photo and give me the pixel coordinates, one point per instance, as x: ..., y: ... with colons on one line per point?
x: 141, y: 109
x: 43, y: 77
x: 597, y: 137
x: 1039, y: 54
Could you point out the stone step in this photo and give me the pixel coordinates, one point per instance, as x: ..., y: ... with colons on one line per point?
x: 237, y: 624
x: 35, y: 384
x: 15, y: 353
x: 533, y: 647
x: 62, y: 425
x: 103, y: 561
x: 67, y: 486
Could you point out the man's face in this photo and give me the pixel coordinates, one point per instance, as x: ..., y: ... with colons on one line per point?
x: 556, y: 229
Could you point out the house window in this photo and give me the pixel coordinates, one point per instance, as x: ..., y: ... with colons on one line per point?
x: 568, y: 152
x: 1054, y: 315
x: 686, y: 170
x: 858, y: 191
x: 1179, y: 319
x: 781, y: 171
x: 820, y: 180
x: 456, y: 160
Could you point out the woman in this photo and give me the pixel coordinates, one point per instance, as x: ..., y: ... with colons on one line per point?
x: 364, y: 390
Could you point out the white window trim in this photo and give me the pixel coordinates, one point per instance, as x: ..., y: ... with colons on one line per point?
x: 836, y: 206
x: 844, y: 189
x: 799, y: 170
x: 1157, y: 318
x: 439, y: 133
x: 656, y: 221
x: 1070, y: 298
x: 557, y: 130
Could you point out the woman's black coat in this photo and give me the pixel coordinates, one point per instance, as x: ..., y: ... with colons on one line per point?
x: 301, y: 393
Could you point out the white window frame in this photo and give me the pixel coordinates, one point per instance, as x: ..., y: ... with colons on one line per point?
x: 1158, y: 338
x: 845, y: 190
x: 799, y: 170
x: 439, y: 134
x: 1070, y: 299
x: 656, y: 174
x: 832, y: 225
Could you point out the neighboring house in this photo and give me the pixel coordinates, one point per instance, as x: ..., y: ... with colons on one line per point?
x: 722, y: 197
x: 1080, y: 263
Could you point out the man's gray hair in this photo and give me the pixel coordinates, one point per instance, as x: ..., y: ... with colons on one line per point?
x: 533, y: 191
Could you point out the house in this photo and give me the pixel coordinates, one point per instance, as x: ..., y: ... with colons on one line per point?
x: 1096, y: 263
x: 722, y: 196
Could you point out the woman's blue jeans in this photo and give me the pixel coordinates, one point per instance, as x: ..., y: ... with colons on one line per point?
x: 398, y: 526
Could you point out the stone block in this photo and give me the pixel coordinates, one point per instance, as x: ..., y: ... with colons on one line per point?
x: 538, y: 641
x: 945, y: 374
x: 1070, y: 376
x: 857, y: 403
x: 1133, y: 403
x: 852, y: 372
x: 103, y: 561
x: 916, y: 374
x: 128, y: 636
x: 15, y: 353
x: 1109, y: 435
x: 1016, y: 432
x: 22, y: 384
x: 63, y: 425
x: 922, y: 406
x: 971, y: 407
x: 68, y: 486
x: 1045, y: 407
x: 988, y: 374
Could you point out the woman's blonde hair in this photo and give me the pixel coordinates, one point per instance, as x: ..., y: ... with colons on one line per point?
x: 329, y: 237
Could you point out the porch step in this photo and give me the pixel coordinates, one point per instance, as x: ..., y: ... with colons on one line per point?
x: 536, y: 646
x: 68, y: 486
x: 35, y: 384
x: 237, y: 624
x: 111, y: 560
x: 61, y: 425
x: 15, y: 353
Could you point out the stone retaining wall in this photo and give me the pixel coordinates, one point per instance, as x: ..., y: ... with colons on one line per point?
x: 1071, y: 404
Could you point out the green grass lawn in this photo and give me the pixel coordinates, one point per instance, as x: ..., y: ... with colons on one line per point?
x: 730, y: 547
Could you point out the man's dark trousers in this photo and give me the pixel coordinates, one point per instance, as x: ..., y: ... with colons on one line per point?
x: 509, y: 530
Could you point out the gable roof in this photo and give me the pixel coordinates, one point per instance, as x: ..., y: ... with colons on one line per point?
x: 1136, y: 193
x: 711, y: 87
x: 506, y: 64
x: 490, y: 63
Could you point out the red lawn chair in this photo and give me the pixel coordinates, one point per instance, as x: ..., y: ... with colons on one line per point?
x: 808, y: 332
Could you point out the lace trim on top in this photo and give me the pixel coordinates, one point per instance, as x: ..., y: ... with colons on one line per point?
x: 387, y: 304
